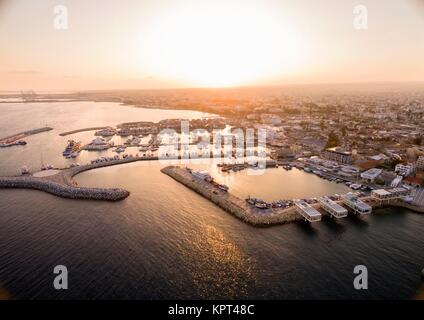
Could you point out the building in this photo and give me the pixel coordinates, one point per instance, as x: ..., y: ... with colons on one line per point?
x: 338, y: 155
x: 390, y: 194
x: 355, y: 204
x: 404, y: 170
x: 381, y: 194
x: 420, y: 163
x: 371, y: 174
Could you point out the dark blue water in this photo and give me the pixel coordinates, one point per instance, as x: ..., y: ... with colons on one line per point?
x: 165, y: 241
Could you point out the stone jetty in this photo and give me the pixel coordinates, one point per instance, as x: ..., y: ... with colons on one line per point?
x: 63, y: 190
x: 230, y: 203
x: 63, y: 185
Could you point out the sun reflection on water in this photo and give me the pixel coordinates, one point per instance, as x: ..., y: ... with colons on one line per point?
x: 219, y: 268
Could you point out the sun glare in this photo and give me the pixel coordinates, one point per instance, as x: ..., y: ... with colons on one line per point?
x: 219, y: 45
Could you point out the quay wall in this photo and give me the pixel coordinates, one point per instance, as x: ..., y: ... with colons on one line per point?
x: 230, y: 203
x: 62, y: 190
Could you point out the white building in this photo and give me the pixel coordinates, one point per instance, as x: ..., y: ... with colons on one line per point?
x: 420, y: 163
x: 404, y: 169
x: 371, y: 174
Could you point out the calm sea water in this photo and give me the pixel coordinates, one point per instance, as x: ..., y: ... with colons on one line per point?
x: 165, y: 241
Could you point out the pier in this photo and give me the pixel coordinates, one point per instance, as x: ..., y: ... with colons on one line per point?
x: 230, y: 203
x: 10, y: 140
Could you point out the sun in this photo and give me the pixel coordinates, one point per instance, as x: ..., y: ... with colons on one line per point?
x: 219, y: 45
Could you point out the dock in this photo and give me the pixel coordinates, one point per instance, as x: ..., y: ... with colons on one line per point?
x: 309, y: 213
x: 332, y: 207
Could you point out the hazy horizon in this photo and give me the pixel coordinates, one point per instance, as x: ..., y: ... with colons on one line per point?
x: 149, y: 45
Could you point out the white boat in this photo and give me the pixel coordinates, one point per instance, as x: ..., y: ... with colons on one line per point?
x: 24, y: 170
x: 120, y: 149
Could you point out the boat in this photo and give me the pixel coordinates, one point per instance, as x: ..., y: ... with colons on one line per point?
x: 120, y: 149
x: 24, y: 170
x: 71, y: 147
x: 250, y: 201
x: 223, y: 187
x: 261, y: 205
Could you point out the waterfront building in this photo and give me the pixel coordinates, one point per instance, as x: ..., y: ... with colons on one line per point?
x: 389, y: 194
x: 371, y: 174
x: 338, y: 155
x: 307, y: 211
x: 399, y: 192
x: 352, y: 201
x: 381, y: 194
x: 332, y: 207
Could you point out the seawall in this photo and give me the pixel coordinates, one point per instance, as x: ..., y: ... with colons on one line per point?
x: 63, y: 190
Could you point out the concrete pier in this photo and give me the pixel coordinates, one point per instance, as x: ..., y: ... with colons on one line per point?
x: 230, y: 203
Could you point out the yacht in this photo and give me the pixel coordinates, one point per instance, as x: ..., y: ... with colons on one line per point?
x: 24, y: 170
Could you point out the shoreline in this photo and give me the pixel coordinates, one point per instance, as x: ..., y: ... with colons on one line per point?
x: 63, y: 185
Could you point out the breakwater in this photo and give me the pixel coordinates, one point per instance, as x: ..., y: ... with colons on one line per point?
x: 230, y: 203
x: 20, y: 135
x: 81, y: 130
x: 62, y: 184
x: 63, y: 190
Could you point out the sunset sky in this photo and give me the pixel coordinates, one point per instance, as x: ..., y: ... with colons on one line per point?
x: 140, y: 44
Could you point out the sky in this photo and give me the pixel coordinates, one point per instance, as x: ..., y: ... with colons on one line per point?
x: 150, y: 44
